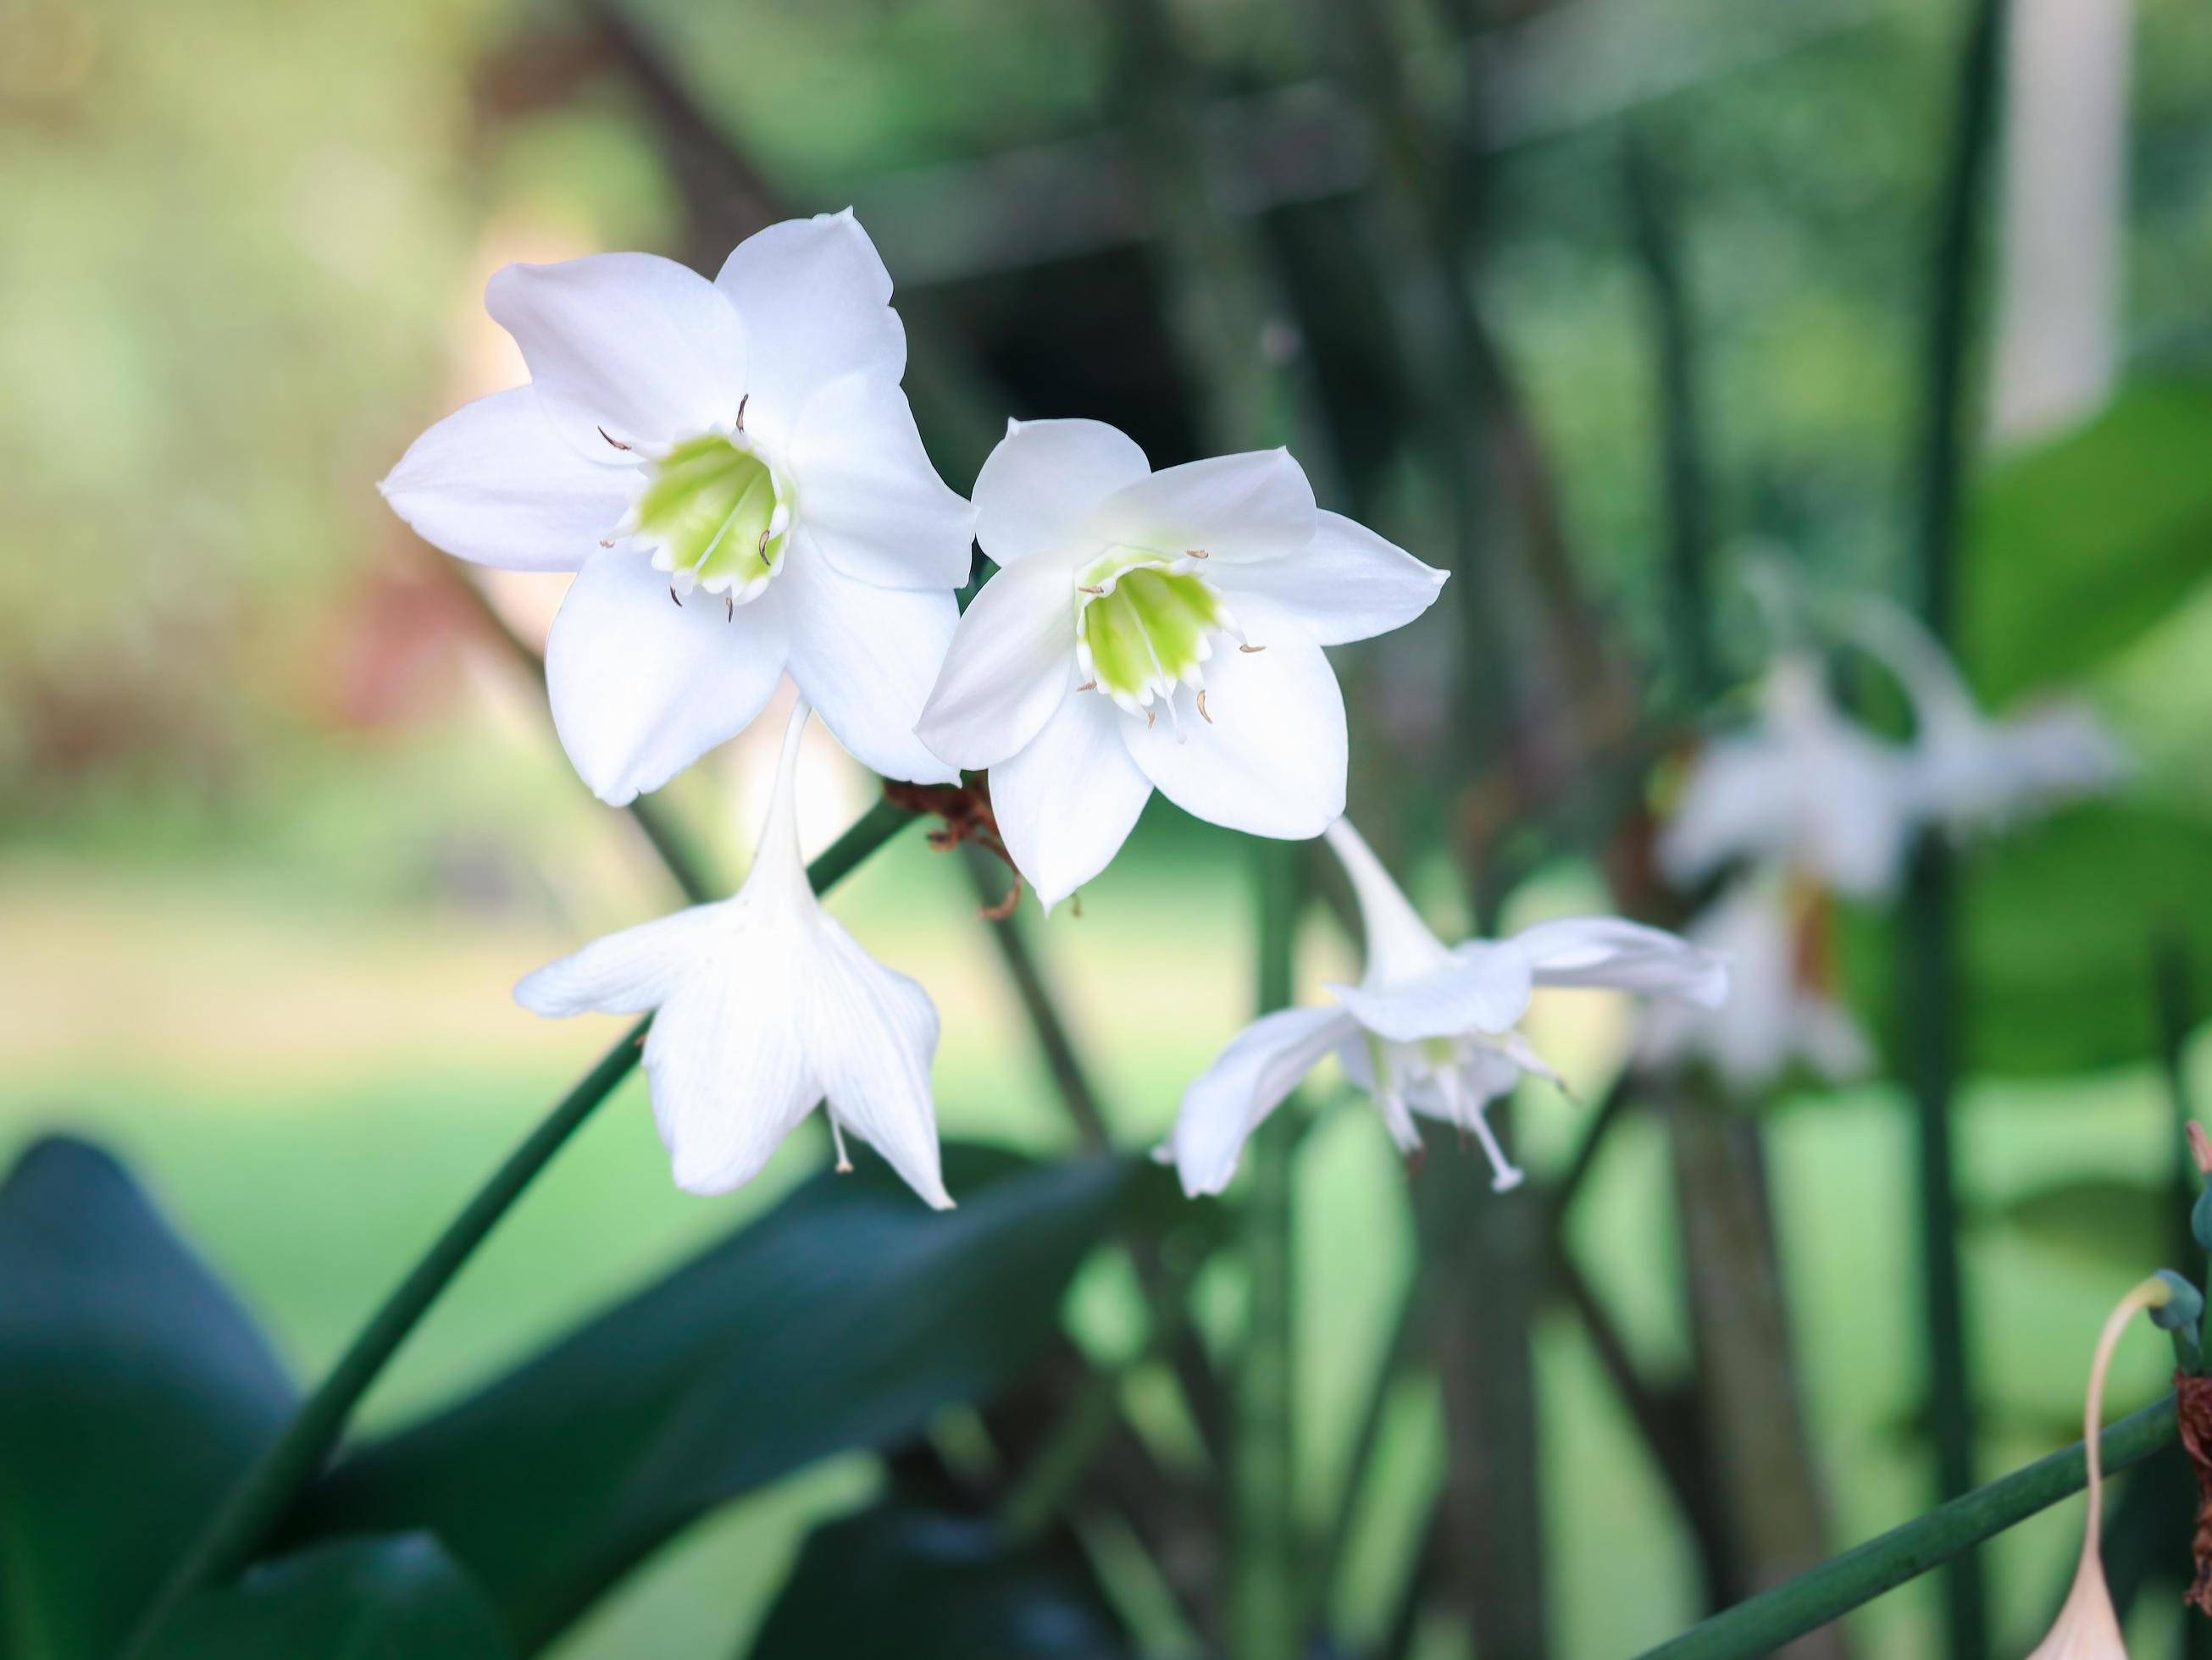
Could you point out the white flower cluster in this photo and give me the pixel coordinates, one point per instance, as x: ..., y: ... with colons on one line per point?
x: 732, y: 472
x: 1805, y: 804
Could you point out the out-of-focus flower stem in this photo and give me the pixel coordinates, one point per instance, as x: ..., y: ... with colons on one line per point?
x: 1928, y: 942
x: 250, y: 1514
x: 1265, y: 1599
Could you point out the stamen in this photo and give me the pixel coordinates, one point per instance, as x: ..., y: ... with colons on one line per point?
x: 1509, y: 1175
x: 837, y: 1135
x: 1150, y: 715
x: 672, y: 598
x: 611, y: 439
x: 607, y: 542
x: 1195, y: 553
x: 763, y: 549
x: 730, y: 600
x: 1088, y: 685
x: 1251, y: 648
x: 741, y: 402
x: 1081, y: 589
x: 1201, y: 706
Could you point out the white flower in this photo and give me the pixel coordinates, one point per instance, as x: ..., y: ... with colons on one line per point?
x: 1779, y: 1015
x: 1966, y: 771
x: 731, y: 470
x: 1429, y: 1030
x: 1156, y: 630
x: 1804, y: 788
x: 767, y: 1006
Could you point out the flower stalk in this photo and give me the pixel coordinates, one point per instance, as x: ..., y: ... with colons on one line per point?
x: 1264, y: 1601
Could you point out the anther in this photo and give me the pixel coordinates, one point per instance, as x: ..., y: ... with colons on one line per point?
x: 1150, y: 715
x: 730, y: 600
x: 1201, y: 706
x: 1195, y: 553
x: 612, y: 439
x: 763, y: 549
x: 607, y: 542
x: 1081, y: 589
x: 672, y: 599
x: 1088, y: 685
x: 741, y: 402
x: 1251, y: 648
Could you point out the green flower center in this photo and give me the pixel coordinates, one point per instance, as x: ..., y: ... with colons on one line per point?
x: 711, y: 512
x: 1144, y: 628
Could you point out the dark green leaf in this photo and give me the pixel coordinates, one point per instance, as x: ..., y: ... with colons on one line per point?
x: 394, y: 1598
x: 843, y: 1318
x: 133, y: 1392
x: 2079, y: 545
x: 2126, y: 1225
x: 925, y: 1586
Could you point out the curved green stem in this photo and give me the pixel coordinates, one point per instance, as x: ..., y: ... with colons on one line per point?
x: 251, y: 1513
x: 1765, y: 1623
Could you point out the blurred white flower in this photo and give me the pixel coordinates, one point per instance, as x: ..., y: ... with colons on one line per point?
x: 732, y: 470
x: 1768, y: 930
x: 766, y: 1006
x: 1156, y: 630
x: 1804, y: 788
x: 1968, y: 773
x: 1429, y: 1030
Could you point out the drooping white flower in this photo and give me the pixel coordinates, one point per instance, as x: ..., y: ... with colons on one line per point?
x: 731, y: 470
x: 1966, y: 771
x: 1766, y: 926
x: 1156, y: 630
x: 766, y: 1006
x: 1804, y: 787
x: 1430, y: 1030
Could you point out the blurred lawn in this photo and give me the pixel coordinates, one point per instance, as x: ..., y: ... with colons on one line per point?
x: 306, y: 1047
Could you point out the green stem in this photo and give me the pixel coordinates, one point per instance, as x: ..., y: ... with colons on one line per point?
x: 1929, y: 941
x: 267, y: 1492
x: 1843, y: 1583
x: 1264, y: 1599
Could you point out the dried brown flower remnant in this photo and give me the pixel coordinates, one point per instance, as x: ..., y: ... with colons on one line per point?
x: 965, y: 810
x: 2193, y: 1404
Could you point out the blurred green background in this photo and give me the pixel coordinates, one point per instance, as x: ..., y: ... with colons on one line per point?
x: 283, y: 821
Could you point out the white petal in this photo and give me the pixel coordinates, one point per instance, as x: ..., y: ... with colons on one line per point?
x: 641, y: 687
x: 1250, y: 1080
x: 1270, y: 760
x: 624, y: 974
x: 1234, y: 509
x: 495, y: 483
x: 1011, y: 662
x: 1347, y: 584
x: 1040, y: 486
x: 630, y: 342
x: 1067, y: 802
x: 1399, y: 947
x: 871, y: 1034
x: 1626, y: 956
x: 865, y: 658
x: 868, y: 493
x: 1483, y: 987
x: 728, y: 1066
x: 816, y: 302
